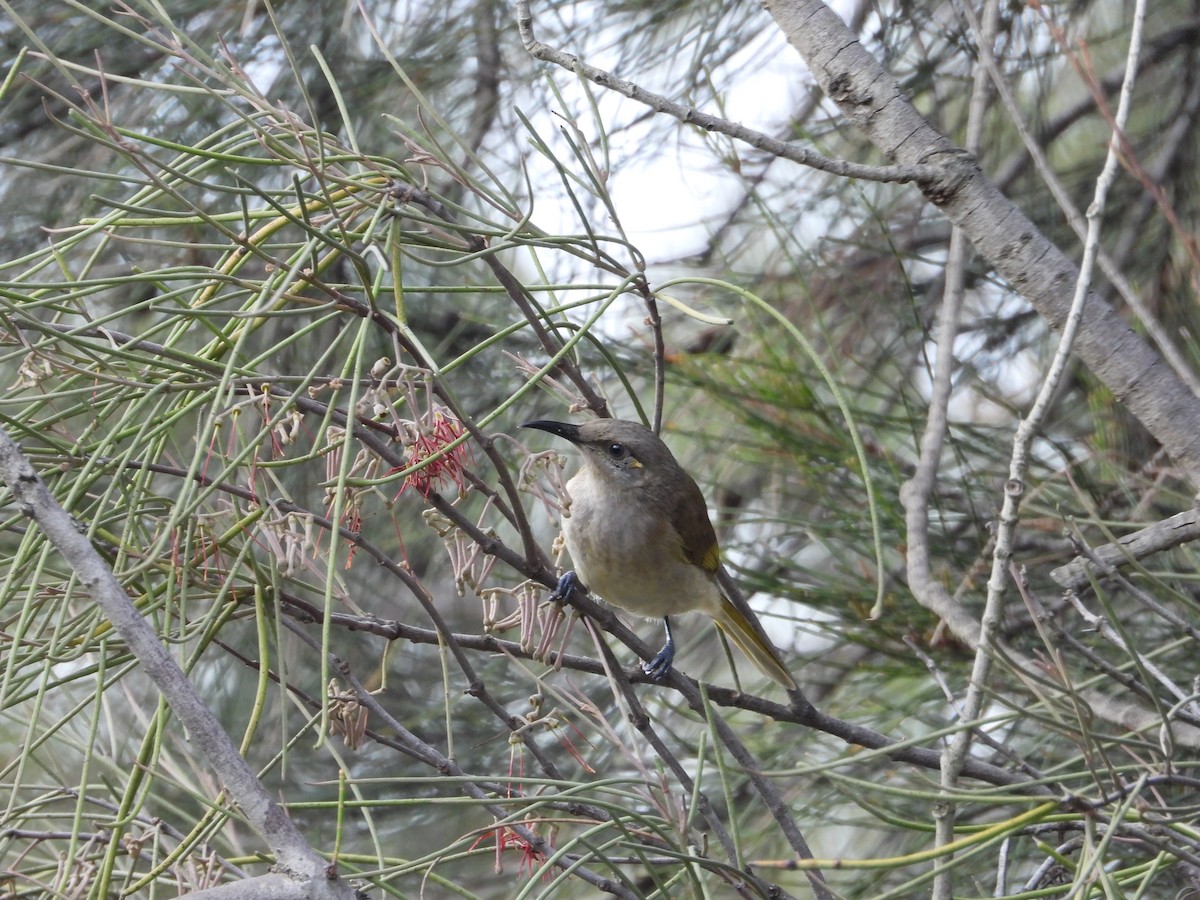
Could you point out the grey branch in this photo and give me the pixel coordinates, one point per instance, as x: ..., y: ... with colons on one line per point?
x: 264, y: 887
x: 295, y: 859
x: 1164, y: 535
x: 689, y: 115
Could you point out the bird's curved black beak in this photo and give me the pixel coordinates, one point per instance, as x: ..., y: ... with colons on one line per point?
x: 562, y: 429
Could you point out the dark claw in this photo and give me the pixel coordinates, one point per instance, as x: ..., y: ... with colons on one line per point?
x: 567, y: 585
x: 658, y: 667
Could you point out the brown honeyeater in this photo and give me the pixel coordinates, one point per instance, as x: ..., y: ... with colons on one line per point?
x: 639, y: 536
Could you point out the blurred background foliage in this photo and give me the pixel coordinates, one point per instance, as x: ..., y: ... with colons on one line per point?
x: 261, y: 263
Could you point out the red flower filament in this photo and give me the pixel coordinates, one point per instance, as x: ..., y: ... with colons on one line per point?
x: 444, y: 465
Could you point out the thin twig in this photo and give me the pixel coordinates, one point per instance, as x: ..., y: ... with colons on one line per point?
x: 691, y: 116
x: 955, y: 751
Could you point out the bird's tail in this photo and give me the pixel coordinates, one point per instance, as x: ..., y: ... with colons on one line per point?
x: 748, y: 636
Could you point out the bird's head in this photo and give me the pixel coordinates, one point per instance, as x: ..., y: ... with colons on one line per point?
x: 614, y: 449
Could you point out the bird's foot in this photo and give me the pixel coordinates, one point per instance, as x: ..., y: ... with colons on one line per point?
x: 658, y: 667
x: 567, y: 585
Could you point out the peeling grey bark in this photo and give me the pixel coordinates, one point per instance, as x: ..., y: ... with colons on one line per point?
x: 1002, y: 234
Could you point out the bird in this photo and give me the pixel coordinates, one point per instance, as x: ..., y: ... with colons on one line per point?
x: 639, y: 536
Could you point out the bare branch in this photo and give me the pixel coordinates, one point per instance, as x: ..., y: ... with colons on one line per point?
x: 1101, y: 561
x: 295, y: 858
x: 691, y: 116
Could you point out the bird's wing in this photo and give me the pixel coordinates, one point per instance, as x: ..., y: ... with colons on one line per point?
x: 696, y: 532
x: 739, y: 622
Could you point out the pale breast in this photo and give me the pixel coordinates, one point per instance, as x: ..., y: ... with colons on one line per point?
x: 630, y: 557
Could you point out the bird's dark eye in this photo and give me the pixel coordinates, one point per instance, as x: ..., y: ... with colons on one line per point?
x: 616, y: 451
